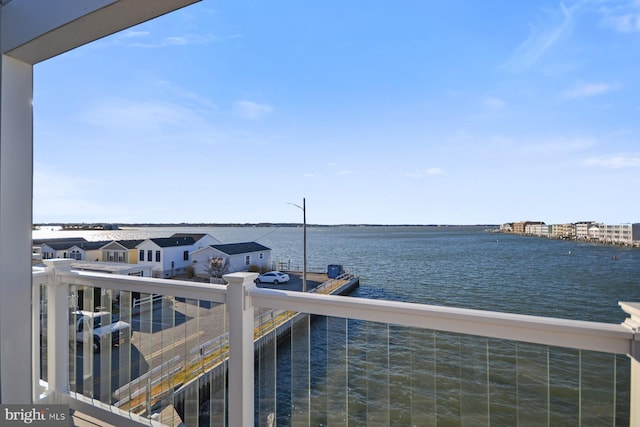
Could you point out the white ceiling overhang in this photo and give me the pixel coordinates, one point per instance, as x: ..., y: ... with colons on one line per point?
x: 36, y: 30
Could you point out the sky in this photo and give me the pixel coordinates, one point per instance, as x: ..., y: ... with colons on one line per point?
x: 413, y: 112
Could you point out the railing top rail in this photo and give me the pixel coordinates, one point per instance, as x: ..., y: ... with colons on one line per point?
x: 178, y: 288
x: 40, y: 275
x: 604, y: 337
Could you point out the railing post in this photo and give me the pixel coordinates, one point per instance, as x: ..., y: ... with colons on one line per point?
x: 633, y: 323
x: 241, y: 350
x: 58, y: 327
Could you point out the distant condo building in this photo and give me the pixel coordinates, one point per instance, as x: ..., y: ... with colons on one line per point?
x: 524, y: 227
x: 582, y: 229
x: 621, y: 234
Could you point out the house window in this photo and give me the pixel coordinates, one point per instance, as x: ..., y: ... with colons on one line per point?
x: 149, y: 255
x: 247, y: 260
x: 261, y: 256
x: 157, y: 256
x: 185, y: 256
x: 141, y: 255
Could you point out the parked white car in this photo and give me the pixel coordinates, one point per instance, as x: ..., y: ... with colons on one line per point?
x: 89, y: 324
x: 275, y: 277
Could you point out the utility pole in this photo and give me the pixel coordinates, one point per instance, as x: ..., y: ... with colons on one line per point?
x: 304, y: 242
x: 304, y: 246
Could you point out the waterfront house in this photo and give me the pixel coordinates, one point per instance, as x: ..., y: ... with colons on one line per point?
x: 170, y: 256
x: 235, y: 256
x: 125, y: 251
x: 74, y: 248
x: 48, y: 248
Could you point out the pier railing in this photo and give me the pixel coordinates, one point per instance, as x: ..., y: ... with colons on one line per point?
x: 374, y: 362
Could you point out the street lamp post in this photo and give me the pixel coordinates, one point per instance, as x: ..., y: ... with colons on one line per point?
x: 304, y: 243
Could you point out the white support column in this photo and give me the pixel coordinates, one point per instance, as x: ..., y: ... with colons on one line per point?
x: 16, y: 178
x: 241, y: 349
x: 58, y: 327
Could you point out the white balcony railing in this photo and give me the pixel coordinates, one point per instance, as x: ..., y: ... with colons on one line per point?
x: 375, y: 362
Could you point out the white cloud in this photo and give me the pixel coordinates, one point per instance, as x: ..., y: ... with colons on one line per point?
x: 428, y: 172
x: 137, y: 117
x: 133, y: 34
x: 146, y: 40
x: 540, y: 40
x: 434, y: 171
x: 252, y: 110
x: 614, y: 162
x: 584, y: 90
x: 625, y: 23
x: 621, y: 15
x: 494, y: 103
x: 557, y: 145
x: 189, y: 39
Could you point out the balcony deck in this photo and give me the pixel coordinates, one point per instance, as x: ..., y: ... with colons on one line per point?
x: 80, y: 419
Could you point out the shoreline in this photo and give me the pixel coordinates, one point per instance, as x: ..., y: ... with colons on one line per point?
x: 633, y: 245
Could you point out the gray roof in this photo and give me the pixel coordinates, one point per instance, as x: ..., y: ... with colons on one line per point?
x: 240, y: 248
x: 167, y: 242
x: 195, y: 236
x: 129, y: 244
x: 82, y: 244
x: 37, y: 242
x: 93, y: 245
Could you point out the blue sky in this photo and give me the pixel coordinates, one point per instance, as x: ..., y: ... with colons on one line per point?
x: 457, y: 112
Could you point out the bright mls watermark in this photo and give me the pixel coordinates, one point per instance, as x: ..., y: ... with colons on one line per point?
x: 34, y: 415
